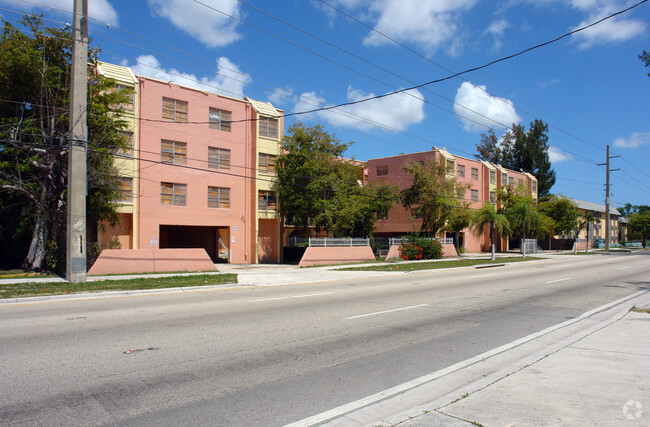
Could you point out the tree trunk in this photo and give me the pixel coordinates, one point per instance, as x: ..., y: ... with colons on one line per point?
x: 36, y: 253
x: 493, y: 257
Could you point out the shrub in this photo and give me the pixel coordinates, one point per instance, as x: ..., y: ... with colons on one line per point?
x: 421, y: 248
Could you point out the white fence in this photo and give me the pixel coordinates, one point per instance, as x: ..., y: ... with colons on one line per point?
x: 400, y: 240
x: 531, y: 246
x: 328, y: 242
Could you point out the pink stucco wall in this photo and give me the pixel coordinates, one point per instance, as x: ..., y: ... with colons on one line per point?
x: 337, y: 255
x: 400, y: 221
x: 198, y: 136
x: 127, y: 261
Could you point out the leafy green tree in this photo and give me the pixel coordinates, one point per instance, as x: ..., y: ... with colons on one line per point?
x: 459, y: 221
x: 35, y: 70
x: 318, y: 188
x: 562, y: 211
x: 645, y: 57
x: 489, y: 216
x: 434, y: 196
x: 639, y: 223
x: 521, y: 149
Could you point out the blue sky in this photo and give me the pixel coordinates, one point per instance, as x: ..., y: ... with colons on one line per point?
x: 590, y: 88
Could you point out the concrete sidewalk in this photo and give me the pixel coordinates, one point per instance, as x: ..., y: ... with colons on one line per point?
x: 591, y: 370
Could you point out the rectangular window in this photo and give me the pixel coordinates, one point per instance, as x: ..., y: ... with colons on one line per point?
x: 174, y: 110
x: 382, y: 170
x: 266, y: 201
x: 534, y: 186
x: 173, y: 152
x: 266, y: 163
x: 130, y: 97
x: 475, y: 174
x: 415, y: 214
x: 449, y: 164
x: 493, y: 177
x: 128, y: 139
x: 126, y: 189
x: 474, y: 195
x: 520, y: 182
x: 461, y: 171
x: 219, y: 197
x: 218, y: 158
x: 493, y: 197
x: 172, y: 194
x: 219, y: 119
x: 268, y: 127
x: 504, y: 178
x: 511, y: 181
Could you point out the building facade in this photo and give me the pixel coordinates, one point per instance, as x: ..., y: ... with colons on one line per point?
x: 203, y: 174
x: 481, y: 178
x: 597, y: 229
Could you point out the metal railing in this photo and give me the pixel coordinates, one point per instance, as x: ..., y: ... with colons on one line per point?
x: 327, y: 242
x: 400, y: 240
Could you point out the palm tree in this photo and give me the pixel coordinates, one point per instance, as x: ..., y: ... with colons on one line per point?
x: 525, y: 213
x: 488, y: 215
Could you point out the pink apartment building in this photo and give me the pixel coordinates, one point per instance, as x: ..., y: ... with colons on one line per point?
x: 483, y: 179
x: 205, y: 174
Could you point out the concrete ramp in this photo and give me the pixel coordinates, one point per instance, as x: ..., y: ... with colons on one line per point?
x: 127, y: 261
x: 336, y: 255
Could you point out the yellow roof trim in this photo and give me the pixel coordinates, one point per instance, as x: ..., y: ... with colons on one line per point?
x: 264, y: 108
x: 117, y: 72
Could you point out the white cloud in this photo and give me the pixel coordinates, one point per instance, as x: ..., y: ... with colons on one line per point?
x: 556, y: 155
x: 204, y: 24
x: 614, y: 30
x: 101, y: 10
x: 482, y: 109
x: 281, y: 96
x: 497, y: 29
x: 636, y: 140
x: 397, y: 111
x: 430, y: 24
x: 549, y: 83
x: 228, y: 80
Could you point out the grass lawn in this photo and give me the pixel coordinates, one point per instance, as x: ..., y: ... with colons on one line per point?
x: 437, y: 264
x: 62, y: 288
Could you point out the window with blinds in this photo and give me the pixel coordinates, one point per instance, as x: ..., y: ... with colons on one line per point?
x: 266, y: 163
x: 266, y: 201
x: 128, y: 140
x: 493, y: 177
x: 126, y: 189
x: 382, y: 170
x: 268, y: 127
x: 219, y: 197
x: 475, y: 174
x: 172, y: 194
x: 174, y: 110
x: 219, y: 119
x: 461, y: 171
x: 218, y: 158
x: 474, y: 195
x: 173, y: 152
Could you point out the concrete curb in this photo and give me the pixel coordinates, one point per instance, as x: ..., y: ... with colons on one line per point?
x: 439, y: 389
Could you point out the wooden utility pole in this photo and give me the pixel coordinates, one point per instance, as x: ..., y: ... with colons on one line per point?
x: 77, y: 186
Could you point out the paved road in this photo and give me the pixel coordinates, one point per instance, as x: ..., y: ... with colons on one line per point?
x: 274, y: 355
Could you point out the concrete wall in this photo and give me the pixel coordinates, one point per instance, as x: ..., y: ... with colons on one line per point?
x: 127, y: 261
x: 336, y: 255
x: 448, y: 251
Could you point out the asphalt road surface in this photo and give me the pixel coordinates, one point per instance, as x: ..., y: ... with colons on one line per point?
x: 277, y: 354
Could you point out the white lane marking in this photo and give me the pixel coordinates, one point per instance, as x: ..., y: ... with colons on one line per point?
x: 386, y: 311
x: 293, y: 296
x: 559, y: 280
x: 481, y: 275
x: 333, y: 414
x: 623, y: 268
